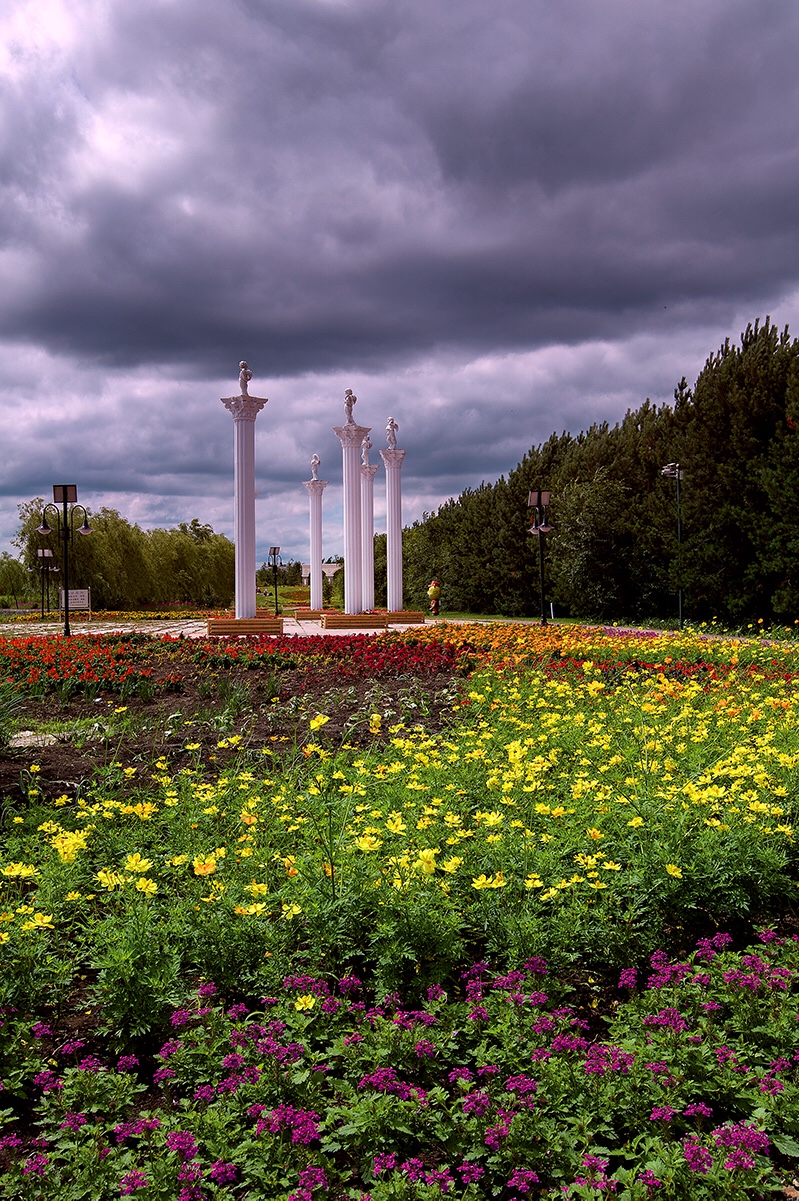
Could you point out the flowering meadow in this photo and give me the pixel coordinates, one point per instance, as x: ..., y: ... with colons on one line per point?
x: 546, y: 947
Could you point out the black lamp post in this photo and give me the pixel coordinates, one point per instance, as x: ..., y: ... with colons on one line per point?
x: 46, y: 565
x: 538, y: 501
x: 673, y: 471
x: 275, y: 561
x: 65, y: 495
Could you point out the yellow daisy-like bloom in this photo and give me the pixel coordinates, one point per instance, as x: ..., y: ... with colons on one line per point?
x: 39, y: 921
x: 673, y: 870
x: 148, y: 887
x: 20, y: 871
x: 248, y: 819
x: 135, y: 863
x: 375, y: 722
x: 368, y: 842
x: 533, y: 881
x: 257, y: 890
x: 4, y: 938
x: 426, y: 861
x: 636, y: 822
x: 204, y: 866
x: 595, y: 834
x: 109, y: 879
x: 290, y: 911
x: 318, y: 721
x: 306, y: 1001
x: 395, y: 824
x: 451, y: 865
x: 179, y: 860
x: 549, y: 894
x: 484, y: 881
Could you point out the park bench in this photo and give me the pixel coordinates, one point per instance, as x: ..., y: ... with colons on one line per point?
x: 244, y: 625
x: 406, y: 617
x: 354, y: 621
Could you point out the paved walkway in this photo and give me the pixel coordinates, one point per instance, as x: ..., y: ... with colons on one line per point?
x: 189, y: 628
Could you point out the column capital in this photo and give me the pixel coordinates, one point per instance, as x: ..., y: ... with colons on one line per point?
x: 351, y: 435
x: 244, y: 408
x: 392, y: 458
x: 315, y: 487
x: 368, y: 471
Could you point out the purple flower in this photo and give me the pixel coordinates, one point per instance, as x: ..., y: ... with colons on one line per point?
x: 650, y: 1180
x: 180, y: 1017
x: 384, y: 1163
x: 35, y: 1165
x: 741, y: 1135
x: 470, y: 1172
x: 697, y: 1109
x: 162, y: 1074
x: 348, y: 985
x: 170, y: 1048
x: 41, y: 1030
x: 126, y: 1063
x: 223, y: 1173
x: 521, y: 1085
x: 522, y: 1180
x: 477, y: 1103
x: 90, y: 1064
x: 425, y: 1049
x: 69, y: 1048
x: 435, y: 992
x: 131, y: 1181
x: 205, y: 1092
x: 697, y: 1157
x: 628, y: 978
x: 662, y: 1113
x: 182, y: 1143
x: 458, y: 1074
x: 73, y: 1121
x: 206, y: 990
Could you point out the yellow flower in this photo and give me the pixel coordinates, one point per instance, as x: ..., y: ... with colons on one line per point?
x: 594, y: 834
x: 20, y: 871
x: 452, y: 865
x: 375, y: 721
x: 179, y: 860
x: 257, y: 890
x: 395, y: 824
x: 4, y: 938
x: 368, y: 842
x: 39, y: 921
x: 673, y: 870
x: 596, y: 884
x: 319, y: 720
x: 533, y: 881
x: 204, y: 867
x: 426, y: 861
x: 483, y: 881
x: 73, y: 896
x: 249, y: 819
x: 290, y: 911
x: 148, y: 887
x: 135, y: 863
x: 306, y: 1001
x: 109, y: 879
x: 636, y: 822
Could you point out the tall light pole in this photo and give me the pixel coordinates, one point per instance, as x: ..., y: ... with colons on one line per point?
x: 65, y: 495
x: 275, y: 561
x: 538, y: 501
x: 673, y: 471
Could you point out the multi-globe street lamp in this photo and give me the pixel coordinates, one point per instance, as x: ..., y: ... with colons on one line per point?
x: 66, y: 496
x: 673, y: 471
x: 538, y: 501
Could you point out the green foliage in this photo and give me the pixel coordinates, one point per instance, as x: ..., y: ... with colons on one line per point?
x: 129, y: 568
x: 613, y: 553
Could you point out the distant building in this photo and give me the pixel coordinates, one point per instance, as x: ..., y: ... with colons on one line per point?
x: 328, y: 571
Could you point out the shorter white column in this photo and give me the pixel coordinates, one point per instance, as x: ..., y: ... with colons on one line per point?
x: 392, y: 458
x: 351, y: 437
x: 368, y: 536
x: 315, y: 489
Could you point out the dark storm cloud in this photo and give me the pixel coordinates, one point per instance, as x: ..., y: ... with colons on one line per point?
x: 360, y: 182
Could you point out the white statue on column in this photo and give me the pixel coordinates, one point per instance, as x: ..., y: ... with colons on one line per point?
x: 315, y: 462
x: 391, y: 434
x: 349, y: 401
x: 244, y: 409
x: 366, y: 446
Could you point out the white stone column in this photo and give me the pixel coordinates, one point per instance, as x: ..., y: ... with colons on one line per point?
x: 392, y: 458
x: 315, y: 489
x: 368, y: 536
x: 351, y: 436
x: 245, y: 409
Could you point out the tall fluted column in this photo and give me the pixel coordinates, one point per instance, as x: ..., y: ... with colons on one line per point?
x: 245, y: 409
x: 368, y: 535
x: 351, y: 436
x: 315, y: 489
x: 392, y: 458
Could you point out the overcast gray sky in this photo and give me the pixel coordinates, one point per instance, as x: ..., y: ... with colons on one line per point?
x: 492, y: 219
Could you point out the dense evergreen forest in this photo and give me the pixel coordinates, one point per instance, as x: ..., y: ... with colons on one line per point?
x: 613, y: 552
